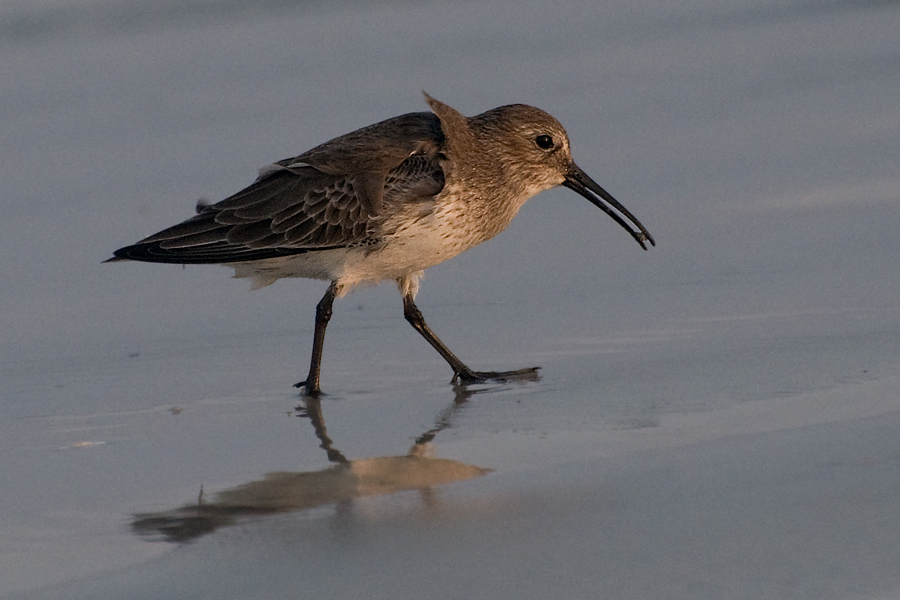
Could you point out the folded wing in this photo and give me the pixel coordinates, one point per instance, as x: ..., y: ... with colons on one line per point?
x: 337, y: 195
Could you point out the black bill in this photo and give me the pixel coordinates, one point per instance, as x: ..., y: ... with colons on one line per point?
x: 578, y: 180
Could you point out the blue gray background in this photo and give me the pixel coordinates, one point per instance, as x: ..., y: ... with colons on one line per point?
x: 716, y: 418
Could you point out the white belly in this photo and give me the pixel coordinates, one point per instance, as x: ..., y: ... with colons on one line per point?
x: 415, y: 244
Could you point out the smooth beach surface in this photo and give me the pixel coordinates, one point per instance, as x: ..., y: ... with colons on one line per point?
x: 716, y: 418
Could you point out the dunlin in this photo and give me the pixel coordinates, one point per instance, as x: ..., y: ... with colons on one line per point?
x: 386, y: 202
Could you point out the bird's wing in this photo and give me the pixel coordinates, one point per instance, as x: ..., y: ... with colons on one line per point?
x: 334, y: 196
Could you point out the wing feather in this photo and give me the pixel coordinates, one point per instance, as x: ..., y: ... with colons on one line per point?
x: 336, y: 195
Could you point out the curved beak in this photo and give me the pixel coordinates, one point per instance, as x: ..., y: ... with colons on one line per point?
x: 578, y: 180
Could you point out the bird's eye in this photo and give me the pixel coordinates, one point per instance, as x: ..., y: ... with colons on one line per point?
x: 544, y: 142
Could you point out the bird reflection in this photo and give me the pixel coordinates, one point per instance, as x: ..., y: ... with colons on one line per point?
x: 338, y: 484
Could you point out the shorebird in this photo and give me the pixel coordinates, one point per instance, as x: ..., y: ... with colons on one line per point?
x: 386, y: 202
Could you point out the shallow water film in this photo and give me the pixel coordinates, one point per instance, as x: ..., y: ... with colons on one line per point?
x: 715, y: 418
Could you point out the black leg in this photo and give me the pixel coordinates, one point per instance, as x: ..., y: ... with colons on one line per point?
x: 461, y: 372
x: 323, y: 315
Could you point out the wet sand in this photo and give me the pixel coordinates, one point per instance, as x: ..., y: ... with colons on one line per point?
x: 715, y: 418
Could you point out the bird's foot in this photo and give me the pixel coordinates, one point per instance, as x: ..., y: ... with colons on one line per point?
x: 467, y: 376
x: 309, y: 389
